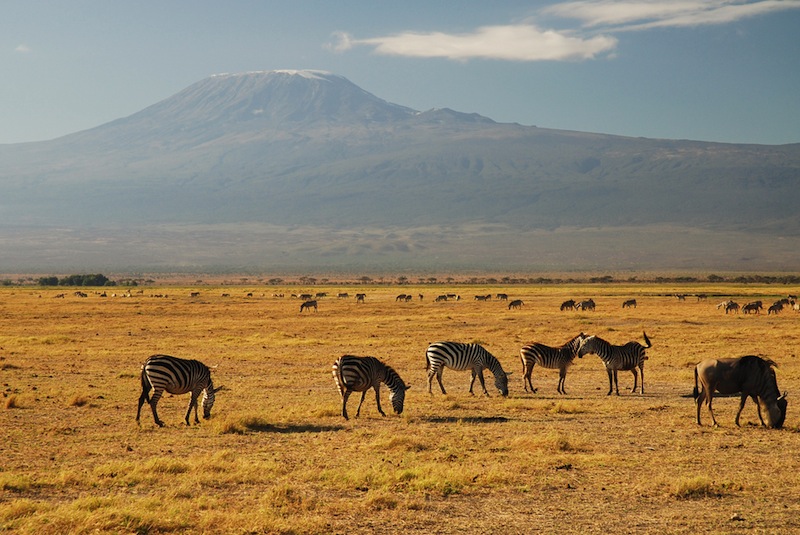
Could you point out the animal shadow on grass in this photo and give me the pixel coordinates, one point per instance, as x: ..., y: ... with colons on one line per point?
x: 265, y: 427
x: 464, y: 419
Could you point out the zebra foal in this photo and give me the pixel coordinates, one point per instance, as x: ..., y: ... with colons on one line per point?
x: 460, y: 357
x: 549, y: 357
x: 359, y: 374
x: 177, y: 376
x: 627, y: 357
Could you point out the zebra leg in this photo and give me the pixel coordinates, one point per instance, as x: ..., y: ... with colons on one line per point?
x: 483, y: 383
x: 641, y: 372
x: 562, y: 375
x: 345, y: 395
x: 363, y: 395
x: 142, y: 399
x: 635, y: 380
x: 439, y: 379
x: 472, y: 382
x: 378, y: 399
x: 153, y: 404
x: 526, y: 378
x: 610, y: 381
x: 192, y: 404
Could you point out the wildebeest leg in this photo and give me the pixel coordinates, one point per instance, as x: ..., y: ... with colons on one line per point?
x: 710, y: 396
x: 363, y: 395
x: 610, y: 381
x: 701, y: 396
x: 758, y: 407
x: 378, y: 399
x: 635, y: 379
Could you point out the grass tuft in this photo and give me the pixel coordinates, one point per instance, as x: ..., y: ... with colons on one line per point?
x: 78, y: 401
x: 12, y: 402
x: 697, y: 487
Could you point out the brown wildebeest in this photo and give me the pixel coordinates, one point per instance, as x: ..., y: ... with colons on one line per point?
x: 568, y: 305
x: 516, y: 303
x: 629, y: 303
x: 749, y: 375
x: 308, y: 305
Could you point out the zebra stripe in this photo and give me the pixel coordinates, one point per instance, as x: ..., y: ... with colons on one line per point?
x: 177, y: 376
x: 549, y: 357
x: 460, y: 357
x: 627, y: 357
x: 359, y: 374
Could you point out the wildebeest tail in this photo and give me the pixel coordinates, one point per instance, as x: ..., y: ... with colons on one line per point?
x: 696, y: 391
x: 647, y: 340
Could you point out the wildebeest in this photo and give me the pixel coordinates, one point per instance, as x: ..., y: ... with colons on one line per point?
x: 732, y: 306
x: 587, y: 304
x: 568, y: 305
x: 629, y: 303
x: 308, y: 305
x: 775, y: 308
x: 516, y: 303
x: 749, y: 375
x: 751, y: 307
x: 360, y: 298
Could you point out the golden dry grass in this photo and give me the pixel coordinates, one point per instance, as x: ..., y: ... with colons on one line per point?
x: 277, y: 457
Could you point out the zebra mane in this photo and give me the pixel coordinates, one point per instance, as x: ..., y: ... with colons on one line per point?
x: 393, y: 380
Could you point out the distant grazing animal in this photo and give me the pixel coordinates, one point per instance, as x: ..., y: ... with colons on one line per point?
x: 630, y: 303
x: 502, y: 297
x: 194, y: 294
x: 320, y: 295
x: 360, y: 298
x: 702, y: 297
x: 568, y: 305
x: 342, y: 295
x: 516, y: 303
x: 460, y: 357
x: 441, y: 298
x: 587, y: 304
x: 681, y: 297
x: 627, y: 357
x: 401, y: 297
x: 308, y: 305
x: 359, y: 374
x: 775, y: 308
x: 177, y: 376
x: 750, y: 307
x: 306, y: 297
x: 549, y: 357
x: 724, y: 304
x: 482, y: 297
x: 732, y: 306
x: 749, y: 375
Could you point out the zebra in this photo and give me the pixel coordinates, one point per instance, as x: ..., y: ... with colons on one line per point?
x: 549, y: 357
x: 359, y: 374
x: 627, y: 357
x: 629, y: 303
x: 308, y: 305
x: 177, y: 376
x: 516, y: 303
x: 460, y: 357
x: 568, y: 305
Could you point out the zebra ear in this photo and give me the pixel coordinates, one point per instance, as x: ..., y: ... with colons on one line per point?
x: 219, y: 388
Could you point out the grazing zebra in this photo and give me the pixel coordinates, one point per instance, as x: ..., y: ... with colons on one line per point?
x: 176, y: 376
x: 588, y: 304
x: 308, y: 305
x: 460, y: 357
x: 516, y: 303
x: 359, y: 374
x: 568, y: 305
x: 629, y: 303
x: 732, y: 306
x: 549, y: 357
x: 360, y: 298
x: 627, y: 357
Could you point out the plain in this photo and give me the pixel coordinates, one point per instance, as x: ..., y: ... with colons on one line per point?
x: 277, y: 457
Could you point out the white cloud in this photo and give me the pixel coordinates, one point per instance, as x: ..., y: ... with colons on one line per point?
x: 22, y: 49
x: 519, y: 42
x: 645, y: 14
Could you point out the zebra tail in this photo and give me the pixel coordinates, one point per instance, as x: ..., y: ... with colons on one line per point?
x: 647, y: 340
x: 146, y: 386
x: 695, y: 392
x: 427, y: 362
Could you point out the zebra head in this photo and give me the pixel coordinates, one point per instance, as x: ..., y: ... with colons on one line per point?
x: 574, y: 345
x: 587, y: 345
x: 209, y: 395
x: 501, y: 382
x: 398, y: 397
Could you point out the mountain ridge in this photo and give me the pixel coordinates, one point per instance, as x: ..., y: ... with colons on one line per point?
x: 310, y: 148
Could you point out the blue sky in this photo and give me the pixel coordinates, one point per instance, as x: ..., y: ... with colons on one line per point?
x: 713, y: 70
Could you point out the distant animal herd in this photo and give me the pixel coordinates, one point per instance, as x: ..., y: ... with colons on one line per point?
x: 750, y: 376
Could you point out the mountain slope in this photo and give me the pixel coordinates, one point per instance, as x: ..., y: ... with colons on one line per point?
x: 308, y: 148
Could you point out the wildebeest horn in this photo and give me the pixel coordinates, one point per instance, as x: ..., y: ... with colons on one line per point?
x: 783, y: 396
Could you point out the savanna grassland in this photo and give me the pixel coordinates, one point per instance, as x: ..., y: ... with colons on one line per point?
x: 277, y: 457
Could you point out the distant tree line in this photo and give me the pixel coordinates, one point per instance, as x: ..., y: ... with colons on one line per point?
x: 92, y: 279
